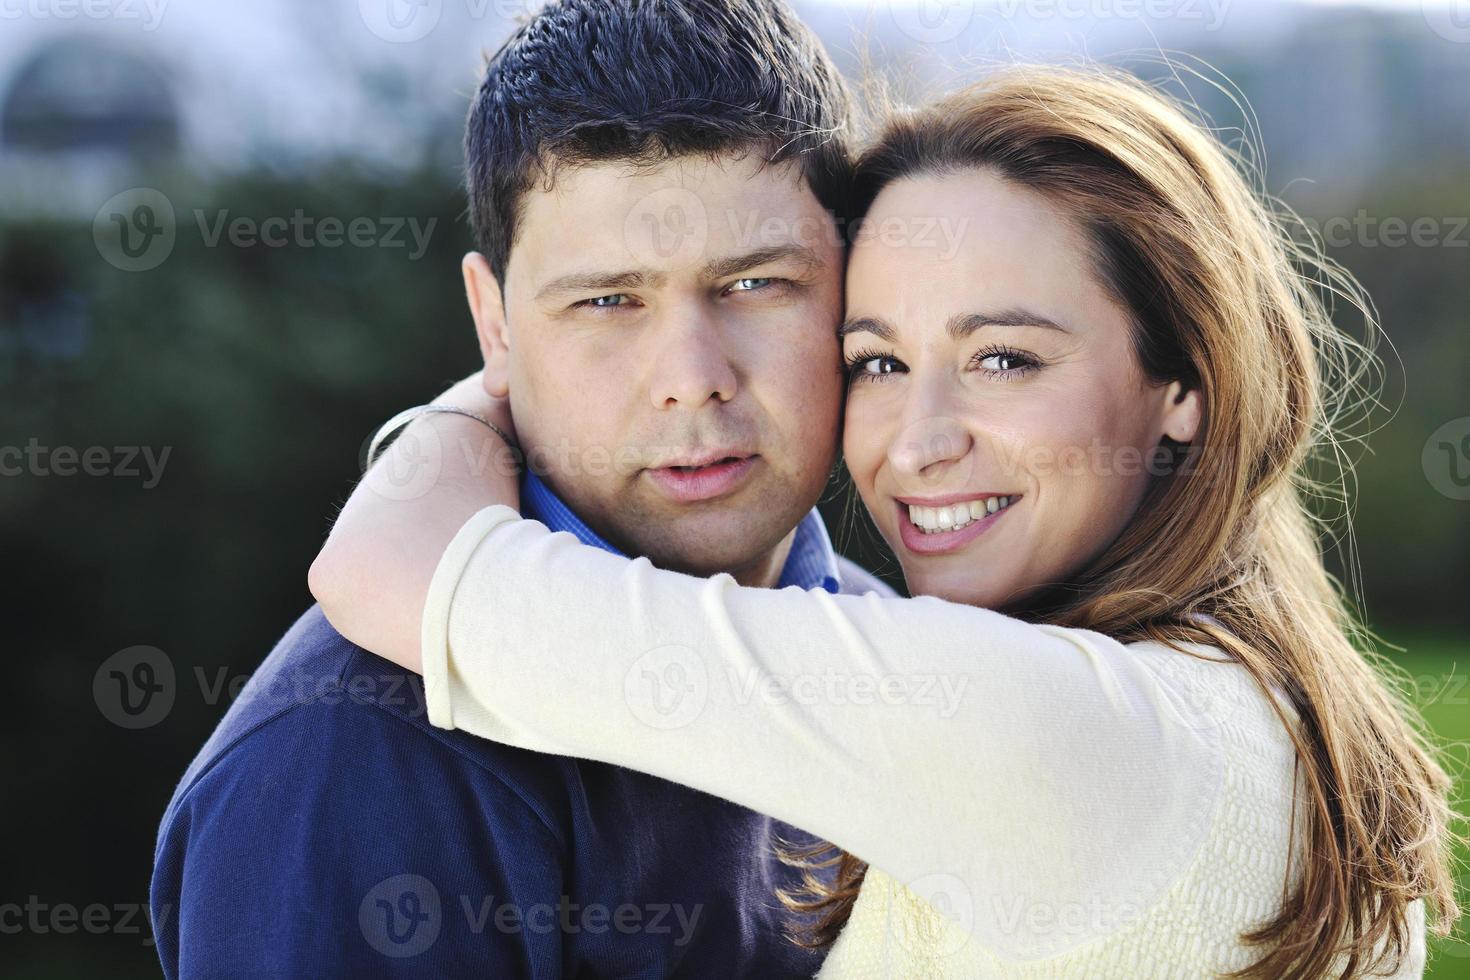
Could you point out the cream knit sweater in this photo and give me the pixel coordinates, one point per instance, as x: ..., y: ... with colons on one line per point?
x: 1032, y: 801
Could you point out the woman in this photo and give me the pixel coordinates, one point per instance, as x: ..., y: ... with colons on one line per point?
x: 1084, y: 437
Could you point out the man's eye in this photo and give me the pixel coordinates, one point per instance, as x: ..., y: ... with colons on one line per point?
x: 749, y: 284
x: 603, y: 302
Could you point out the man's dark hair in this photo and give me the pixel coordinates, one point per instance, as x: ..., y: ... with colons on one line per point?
x: 645, y: 81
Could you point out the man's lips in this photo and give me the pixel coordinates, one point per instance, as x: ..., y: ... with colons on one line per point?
x: 703, y: 476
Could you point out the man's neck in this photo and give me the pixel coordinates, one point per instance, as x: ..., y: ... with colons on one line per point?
x: 765, y: 571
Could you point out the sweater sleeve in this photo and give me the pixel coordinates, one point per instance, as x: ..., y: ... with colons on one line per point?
x: 1037, y: 772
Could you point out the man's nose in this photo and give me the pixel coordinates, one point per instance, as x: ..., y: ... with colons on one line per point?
x: 691, y: 363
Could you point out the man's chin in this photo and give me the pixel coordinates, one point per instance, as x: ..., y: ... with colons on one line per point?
x: 708, y: 540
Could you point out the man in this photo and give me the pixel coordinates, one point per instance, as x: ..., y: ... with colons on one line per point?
x: 657, y: 291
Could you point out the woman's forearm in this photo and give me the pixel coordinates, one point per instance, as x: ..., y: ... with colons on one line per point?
x: 373, y: 572
x: 925, y: 737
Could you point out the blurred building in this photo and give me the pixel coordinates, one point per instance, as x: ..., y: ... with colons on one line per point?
x: 97, y: 103
x: 93, y: 104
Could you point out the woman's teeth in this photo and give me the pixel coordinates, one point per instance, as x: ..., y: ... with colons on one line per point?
x: 935, y: 520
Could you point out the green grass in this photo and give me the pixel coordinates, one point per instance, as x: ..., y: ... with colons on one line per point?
x: 1440, y: 670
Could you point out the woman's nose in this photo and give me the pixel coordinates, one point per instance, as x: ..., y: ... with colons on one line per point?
x: 927, y: 451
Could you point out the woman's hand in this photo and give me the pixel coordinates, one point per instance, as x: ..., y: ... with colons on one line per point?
x: 373, y: 573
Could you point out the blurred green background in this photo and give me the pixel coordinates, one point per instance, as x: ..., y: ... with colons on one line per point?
x: 261, y: 370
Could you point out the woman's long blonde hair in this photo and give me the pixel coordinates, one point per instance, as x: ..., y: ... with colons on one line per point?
x: 1224, y: 297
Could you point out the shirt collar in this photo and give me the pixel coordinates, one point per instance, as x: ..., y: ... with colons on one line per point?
x: 812, y: 564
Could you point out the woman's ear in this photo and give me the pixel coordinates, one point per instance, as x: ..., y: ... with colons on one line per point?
x: 1181, y: 412
x: 488, y: 309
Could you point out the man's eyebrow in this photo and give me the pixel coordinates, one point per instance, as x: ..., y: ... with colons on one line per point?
x: 866, y: 324
x: 728, y: 266
x: 960, y: 327
x: 577, y: 282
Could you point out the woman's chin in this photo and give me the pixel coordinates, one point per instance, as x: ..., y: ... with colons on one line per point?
x: 953, y: 587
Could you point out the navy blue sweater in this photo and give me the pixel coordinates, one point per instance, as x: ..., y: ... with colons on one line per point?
x: 326, y: 829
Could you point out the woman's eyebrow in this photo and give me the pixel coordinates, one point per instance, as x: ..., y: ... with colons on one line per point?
x: 958, y: 327
x: 961, y: 326
x: 866, y: 324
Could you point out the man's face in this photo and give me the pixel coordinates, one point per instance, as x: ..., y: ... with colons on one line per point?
x: 673, y: 364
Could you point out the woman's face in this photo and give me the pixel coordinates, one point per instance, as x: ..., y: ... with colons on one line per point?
x: 999, y: 427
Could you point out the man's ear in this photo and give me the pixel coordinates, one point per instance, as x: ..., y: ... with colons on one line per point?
x: 488, y: 309
x: 1182, y: 411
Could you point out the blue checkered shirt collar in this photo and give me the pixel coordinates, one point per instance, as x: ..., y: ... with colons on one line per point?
x: 812, y: 564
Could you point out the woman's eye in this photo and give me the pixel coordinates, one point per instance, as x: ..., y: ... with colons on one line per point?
x: 1006, y: 362
x: 877, y: 366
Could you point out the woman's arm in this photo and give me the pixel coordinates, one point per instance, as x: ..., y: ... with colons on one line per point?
x: 1028, y: 763
x: 373, y: 573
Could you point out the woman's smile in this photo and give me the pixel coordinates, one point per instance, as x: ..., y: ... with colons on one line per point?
x: 943, y: 524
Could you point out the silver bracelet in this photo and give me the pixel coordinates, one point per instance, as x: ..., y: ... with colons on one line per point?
x: 409, y: 414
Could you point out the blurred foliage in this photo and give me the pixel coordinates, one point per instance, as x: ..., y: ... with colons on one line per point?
x: 264, y: 370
